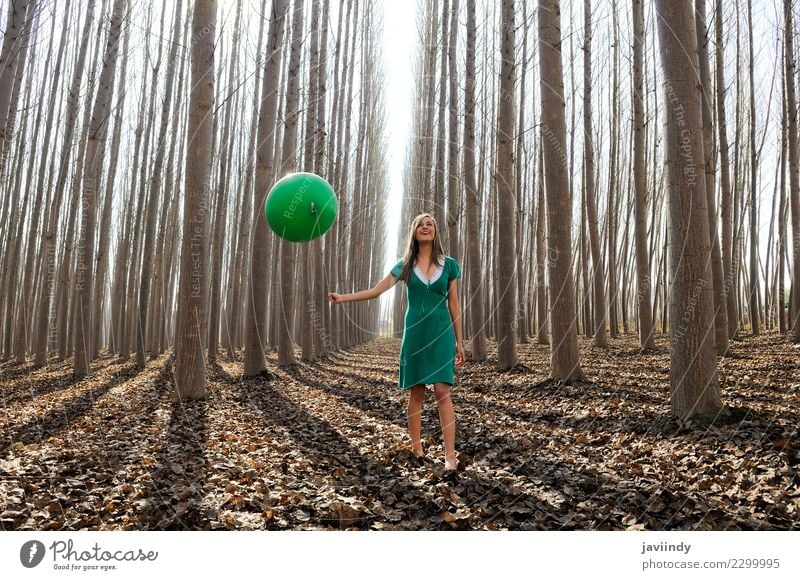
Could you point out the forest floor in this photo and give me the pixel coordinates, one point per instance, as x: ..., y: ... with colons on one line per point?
x: 325, y: 446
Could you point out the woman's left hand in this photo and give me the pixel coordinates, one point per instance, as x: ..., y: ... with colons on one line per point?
x: 460, y: 358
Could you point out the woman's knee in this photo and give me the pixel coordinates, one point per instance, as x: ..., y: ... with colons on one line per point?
x: 417, y: 392
x: 442, y: 391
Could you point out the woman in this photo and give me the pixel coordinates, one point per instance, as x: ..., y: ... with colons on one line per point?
x: 431, y: 331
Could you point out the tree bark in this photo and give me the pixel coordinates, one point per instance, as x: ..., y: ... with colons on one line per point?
x: 794, y: 176
x: 143, y: 322
x: 720, y: 306
x: 564, y: 360
x: 600, y: 336
x: 693, y: 366
x: 506, y: 196
x: 255, y: 361
x: 643, y: 298
x: 92, y: 172
x: 754, y: 290
x: 190, y: 369
x: 472, y: 257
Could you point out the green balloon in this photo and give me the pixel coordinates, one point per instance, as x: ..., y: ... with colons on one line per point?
x: 301, y: 207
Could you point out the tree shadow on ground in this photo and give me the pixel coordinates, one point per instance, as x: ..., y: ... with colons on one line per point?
x: 52, y: 422
x: 174, y: 497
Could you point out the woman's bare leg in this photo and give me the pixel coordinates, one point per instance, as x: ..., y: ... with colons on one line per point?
x: 415, y: 396
x: 447, y: 418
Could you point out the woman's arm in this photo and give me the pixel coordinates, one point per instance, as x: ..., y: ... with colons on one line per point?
x: 455, y: 315
x: 379, y: 289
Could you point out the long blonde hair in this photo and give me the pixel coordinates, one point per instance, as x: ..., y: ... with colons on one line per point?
x: 412, y: 246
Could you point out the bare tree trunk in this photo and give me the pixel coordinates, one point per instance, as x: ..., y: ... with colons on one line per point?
x: 322, y: 344
x: 506, y: 196
x: 754, y: 291
x: 18, y: 25
x: 143, y: 326
x: 693, y: 365
x: 564, y: 360
x: 613, y: 194
x: 441, y: 142
x: 729, y: 271
x: 794, y: 178
x: 472, y: 257
x: 643, y: 299
x: 542, y: 322
x: 308, y: 309
x: 48, y: 244
x: 520, y: 162
x: 190, y: 369
x: 453, y: 189
x: 600, y: 336
x: 286, y: 296
x: 781, y: 242
x: 221, y: 205
x: 256, y: 314
x: 429, y: 75
x: 105, y: 220
x: 93, y: 169
x: 720, y: 307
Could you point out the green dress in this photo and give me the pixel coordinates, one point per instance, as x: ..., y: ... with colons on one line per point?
x: 427, y: 353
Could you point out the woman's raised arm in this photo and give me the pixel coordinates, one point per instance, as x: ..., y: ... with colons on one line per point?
x: 379, y: 289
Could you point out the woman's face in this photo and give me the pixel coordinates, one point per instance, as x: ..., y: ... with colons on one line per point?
x: 426, y: 230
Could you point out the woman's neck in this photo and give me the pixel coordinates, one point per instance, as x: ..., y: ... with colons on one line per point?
x: 425, y: 250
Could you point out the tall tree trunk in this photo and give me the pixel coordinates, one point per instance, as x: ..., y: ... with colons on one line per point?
x: 693, y: 365
x: 720, y: 307
x: 506, y: 196
x: 255, y: 361
x: 643, y: 299
x: 441, y: 138
x: 144, y: 325
x: 472, y: 257
x: 613, y: 194
x: 541, y: 265
x: 600, y: 336
x: 322, y: 343
x: 794, y: 178
x: 453, y: 189
x: 18, y: 24
x: 754, y: 291
x: 564, y: 359
x: 49, y: 254
x: 221, y: 205
x: 92, y: 172
x: 520, y: 163
x: 286, y: 300
x: 190, y: 369
x: 726, y: 208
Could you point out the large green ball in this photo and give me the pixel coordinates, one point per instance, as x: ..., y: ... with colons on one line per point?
x: 301, y: 207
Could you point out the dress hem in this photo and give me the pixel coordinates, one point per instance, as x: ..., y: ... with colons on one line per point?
x: 425, y: 384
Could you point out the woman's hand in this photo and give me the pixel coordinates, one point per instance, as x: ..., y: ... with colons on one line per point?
x: 460, y: 358
x: 335, y: 298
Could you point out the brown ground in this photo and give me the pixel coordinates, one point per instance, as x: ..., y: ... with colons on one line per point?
x: 325, y: 447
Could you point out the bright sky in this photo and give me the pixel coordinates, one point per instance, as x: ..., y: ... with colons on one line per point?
x: 399, y: 42
x: 400, y: 39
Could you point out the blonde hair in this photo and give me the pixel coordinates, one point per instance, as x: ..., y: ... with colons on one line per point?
x: 411, y: 254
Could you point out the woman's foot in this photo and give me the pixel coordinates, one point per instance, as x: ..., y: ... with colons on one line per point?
x: 450, y: 462
x: 417, y: 451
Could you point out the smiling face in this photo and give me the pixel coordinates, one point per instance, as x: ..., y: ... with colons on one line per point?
x: 426, y: 230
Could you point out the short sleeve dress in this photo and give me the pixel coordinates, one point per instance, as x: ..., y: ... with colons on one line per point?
x: 427, y: 353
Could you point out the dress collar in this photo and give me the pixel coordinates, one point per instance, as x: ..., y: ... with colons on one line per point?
x: 436, y: 274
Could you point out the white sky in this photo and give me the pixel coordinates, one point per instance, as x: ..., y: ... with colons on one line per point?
x: 399, y: 42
